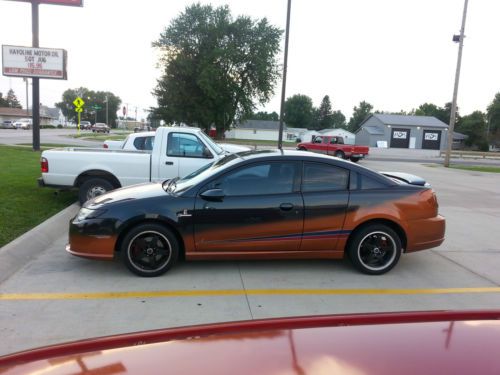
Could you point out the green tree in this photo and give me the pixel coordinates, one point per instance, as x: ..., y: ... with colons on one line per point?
x: 441, y: 113
x: 11, y: 100
x: 299, y: 112
x: 325, y: 119
x: 359, y: 114
x: 94, y: 109
x: 3, y: 101
x: 273, y: 116
x: 215, y: 67
x: 493, y: 114
x: 338, y: 120
x: 474, y: 126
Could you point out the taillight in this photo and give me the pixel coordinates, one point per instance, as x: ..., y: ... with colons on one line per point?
x: 105, y: 145
x: 44, y: 164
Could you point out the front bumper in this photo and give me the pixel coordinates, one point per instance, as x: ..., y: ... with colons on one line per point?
x: 91, y: 239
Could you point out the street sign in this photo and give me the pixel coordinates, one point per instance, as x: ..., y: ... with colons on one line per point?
x: 79, y: 109
x: 78, y: 102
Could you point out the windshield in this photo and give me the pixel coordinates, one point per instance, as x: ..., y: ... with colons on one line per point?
x: 219, y: 150
x: 97, y: 242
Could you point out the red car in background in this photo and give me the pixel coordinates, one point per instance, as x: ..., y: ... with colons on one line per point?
x: 436, y: 342
x: 334, y: 145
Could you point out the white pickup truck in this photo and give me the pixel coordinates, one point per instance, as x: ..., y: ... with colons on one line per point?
x: 177, y: 151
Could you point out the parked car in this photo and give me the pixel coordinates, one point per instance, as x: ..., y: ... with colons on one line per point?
x: 85, y: 125
x: 24, y: 123
x: 334, y: 145
x: 100, y: 127
x: 429, y: 342
x: 176, y: 152
x: 8, y: 124
x: 263, y: 204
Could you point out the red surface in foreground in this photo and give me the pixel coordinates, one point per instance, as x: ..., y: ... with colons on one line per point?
x: 440, y: 342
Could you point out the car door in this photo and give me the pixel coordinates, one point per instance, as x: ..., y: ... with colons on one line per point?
x: 326, y: 197
x: 261, y: 210
x: 184, y: 153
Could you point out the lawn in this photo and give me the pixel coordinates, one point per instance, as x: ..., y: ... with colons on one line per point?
x: 23, y: 204
x: 477, y: 168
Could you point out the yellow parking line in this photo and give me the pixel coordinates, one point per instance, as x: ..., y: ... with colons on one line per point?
x: 238, y: 292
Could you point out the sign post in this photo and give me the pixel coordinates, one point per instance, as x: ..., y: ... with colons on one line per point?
x: 78, y: 102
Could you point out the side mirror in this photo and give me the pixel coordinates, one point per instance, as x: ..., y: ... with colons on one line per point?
x: 213, y: 195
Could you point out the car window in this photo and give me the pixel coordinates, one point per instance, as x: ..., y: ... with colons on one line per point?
x: 367, y: 183
x: 259, y: 179
x: 185, y: 145
x: 324, y: 177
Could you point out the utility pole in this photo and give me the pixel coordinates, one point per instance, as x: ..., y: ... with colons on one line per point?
x: 283, y: 87
x: 107, y: 120
x: 36, y: 81
x: 25, y: 79
x: 455, y: 90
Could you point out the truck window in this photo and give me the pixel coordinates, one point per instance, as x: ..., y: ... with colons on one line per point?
x: 184, y: 145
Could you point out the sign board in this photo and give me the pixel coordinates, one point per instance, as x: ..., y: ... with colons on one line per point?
x: 75, y: 3
x: 33, y: 62
x: 78, y: 102
x: 431, y: 136
x: 399, y: 135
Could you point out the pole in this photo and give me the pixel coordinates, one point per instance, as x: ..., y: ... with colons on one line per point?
x: 27, y: 98
x: 107, y: 120
x: 453, y: 115
x: 36, y: 81
x: 283, y: 87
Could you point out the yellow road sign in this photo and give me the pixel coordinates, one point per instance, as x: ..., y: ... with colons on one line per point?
x: 79, y: 109
x: 78, y: 102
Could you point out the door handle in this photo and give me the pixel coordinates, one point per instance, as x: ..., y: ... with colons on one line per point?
x: 169, y: 163
x: 286, y: 206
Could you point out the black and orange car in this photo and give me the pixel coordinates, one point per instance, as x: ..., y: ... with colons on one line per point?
x: 263, y: 205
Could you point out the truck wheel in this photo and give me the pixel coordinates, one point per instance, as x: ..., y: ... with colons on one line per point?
x: 339, y: 154
x: 354, y: 159
x: 302, y: 149
x: 149, y: 250
x: 92, y: 188
x: 375, y: 249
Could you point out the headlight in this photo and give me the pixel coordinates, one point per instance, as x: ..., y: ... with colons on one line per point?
x: 86, y: 213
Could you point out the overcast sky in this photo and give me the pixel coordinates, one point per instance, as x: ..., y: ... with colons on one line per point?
x: 395, y: 54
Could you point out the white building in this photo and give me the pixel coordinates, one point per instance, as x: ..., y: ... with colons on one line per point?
x: 349, y: 138
x: 260, y: 130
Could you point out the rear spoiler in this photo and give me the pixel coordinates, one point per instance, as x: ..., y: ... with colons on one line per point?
x: 406, y: 177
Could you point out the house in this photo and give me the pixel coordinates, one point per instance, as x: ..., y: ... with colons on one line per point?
x: 260, y: 130
x: 400, y: 131
x: 14, y: 114
x: 55, y: 114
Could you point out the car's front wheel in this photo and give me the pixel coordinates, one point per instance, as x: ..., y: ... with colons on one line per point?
x: 149, y: 250
x: 375, y: 249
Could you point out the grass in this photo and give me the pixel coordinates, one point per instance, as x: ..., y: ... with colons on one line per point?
x: 23, y: 204
x: 46, y: 146
x: 99, y: 136
x: 477, y: 168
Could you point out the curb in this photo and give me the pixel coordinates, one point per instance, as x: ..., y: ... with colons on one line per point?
x: 15, y: 254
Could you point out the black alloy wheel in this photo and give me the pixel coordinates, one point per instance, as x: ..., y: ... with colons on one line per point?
x: 149, y: 250
x: 375, y: 249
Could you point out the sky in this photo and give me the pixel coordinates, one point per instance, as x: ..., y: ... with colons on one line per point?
x: 395, y: 54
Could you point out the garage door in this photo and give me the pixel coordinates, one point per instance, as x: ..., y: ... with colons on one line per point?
x: 400, y: 138
x: 431, y: 139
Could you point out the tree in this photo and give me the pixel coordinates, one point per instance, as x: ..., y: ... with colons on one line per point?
x: 493, y: 114
x: 298, y: 111
x: 10, y: 100
x: 359, y: 114
x: 474, y: 126
x: 325, y: 119
x: 215, y: 67
x: 338, y: 120
x: 441, y: 113
x: 94, y: 109
x: 273, y: 116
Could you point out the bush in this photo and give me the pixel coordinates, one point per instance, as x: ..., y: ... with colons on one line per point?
x: 59, y: 126
x: 47, y: 127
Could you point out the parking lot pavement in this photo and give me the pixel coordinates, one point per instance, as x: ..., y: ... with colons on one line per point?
x: 57, y: 297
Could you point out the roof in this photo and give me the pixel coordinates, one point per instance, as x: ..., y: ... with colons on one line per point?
x: 261, y: 124
x: 459, y: 136
x: 18, y: 112
x: 373, y: 130
x: 328, y: 130
x: 404, y: 120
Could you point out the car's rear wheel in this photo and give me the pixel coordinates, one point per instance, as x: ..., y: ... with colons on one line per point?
x: 354, y: 159
x: 375, y: 249
x: 339, y: 154
x: 92, y: 188
x: 149, y: 250
x: 302, y: 149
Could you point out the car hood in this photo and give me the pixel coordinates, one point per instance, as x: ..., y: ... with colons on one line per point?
x: 233, y: 148
x: 140, y: 191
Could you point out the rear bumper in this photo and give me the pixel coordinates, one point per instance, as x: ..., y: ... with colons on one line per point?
x: 426, y: 233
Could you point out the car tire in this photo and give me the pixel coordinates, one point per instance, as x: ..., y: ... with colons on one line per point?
x: 354, y: 159
x: 302, y: 149
x: 374, y: 249
x: 92, y: 188
x: 149, y: 250
x: 339, y: 154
